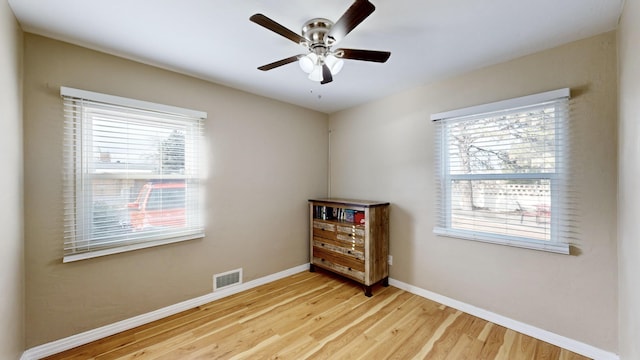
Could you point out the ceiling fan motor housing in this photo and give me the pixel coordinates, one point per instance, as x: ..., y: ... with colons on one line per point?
x: 316, y: 30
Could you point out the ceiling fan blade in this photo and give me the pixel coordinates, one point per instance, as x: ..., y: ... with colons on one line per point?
x: 266, y: 22
x: 279, y: 63
x: 326, y: 75
x: 364, y: 55
x: 354, y: 15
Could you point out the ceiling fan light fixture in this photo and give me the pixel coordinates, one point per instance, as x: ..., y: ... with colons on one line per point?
x: 308, y: 62
x: 334, y: 64
x: 316, y: 74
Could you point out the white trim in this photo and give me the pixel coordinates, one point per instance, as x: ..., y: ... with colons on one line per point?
x: 122, y: 101
x: 525, y: 243
x: 504, y: 104
x: 125, y: 248
x: 530, y: 330
x: 86, y: 337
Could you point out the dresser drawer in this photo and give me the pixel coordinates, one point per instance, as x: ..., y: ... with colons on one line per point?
x: 324, y: 230
x: 352, y: 250
x: 324, y: 233
x: 321, y: 225
x: 352, y: 230
x: 350, y: 240
x: 338, y: 258
x: 340, y: 269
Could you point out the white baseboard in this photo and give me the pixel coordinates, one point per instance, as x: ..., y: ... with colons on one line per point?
x: 544, y: 335
x: 86, y: 337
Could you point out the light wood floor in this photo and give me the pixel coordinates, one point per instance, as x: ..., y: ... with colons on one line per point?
x: 319, y: 316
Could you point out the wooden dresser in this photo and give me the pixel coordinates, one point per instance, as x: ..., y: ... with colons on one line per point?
x: 350, y: 238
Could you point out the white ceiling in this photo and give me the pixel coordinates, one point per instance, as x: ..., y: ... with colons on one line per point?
x: 214, y: 39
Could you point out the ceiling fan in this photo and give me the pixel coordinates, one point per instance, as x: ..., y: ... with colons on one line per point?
x: 318, y: 36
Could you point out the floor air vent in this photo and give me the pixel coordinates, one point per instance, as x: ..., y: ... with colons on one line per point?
x: 229, y: 278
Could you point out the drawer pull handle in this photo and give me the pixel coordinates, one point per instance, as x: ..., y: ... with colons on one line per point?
x: 349, y: 252
x: 349, y: 269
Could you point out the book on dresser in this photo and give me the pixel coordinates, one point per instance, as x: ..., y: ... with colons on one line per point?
x: 350, y: 238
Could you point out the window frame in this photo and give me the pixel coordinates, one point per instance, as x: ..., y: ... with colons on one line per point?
x: 80, y: 173
x: 558, y: 242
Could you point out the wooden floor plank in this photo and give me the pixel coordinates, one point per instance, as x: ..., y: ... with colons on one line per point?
x: 453, y: 330
x: 546, y: 351
x: 493, y: 343
x: 424, y: 325
x: 460, y: 348
x: 205, y: 335
x: 239, y: 310
x: 523, y: 348
x: 380, y: 334
x: 349, y: 330
x: 319, y: 316
x: 291, y: 343
x: 507, y: 342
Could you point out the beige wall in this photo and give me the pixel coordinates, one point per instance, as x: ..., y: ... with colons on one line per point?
x: 265, y: 159
x: 384, y: 151
x: 12, y: 254
x: 628, y: 175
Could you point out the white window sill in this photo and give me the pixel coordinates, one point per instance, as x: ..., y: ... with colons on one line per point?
x: 125, y: 248
x: 559, y: 248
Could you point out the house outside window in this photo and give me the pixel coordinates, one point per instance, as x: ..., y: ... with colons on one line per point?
x: 132, y: 174
x: 503, y: 170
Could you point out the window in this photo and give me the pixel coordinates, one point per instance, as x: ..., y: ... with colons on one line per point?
x: 502, y: 171
x: 132, y: 174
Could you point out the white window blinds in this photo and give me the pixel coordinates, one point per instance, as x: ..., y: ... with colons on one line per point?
x: 132, y: 174
x: 503, y: 172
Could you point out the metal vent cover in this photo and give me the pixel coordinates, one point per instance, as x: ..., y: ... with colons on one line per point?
x: 226, y: 279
